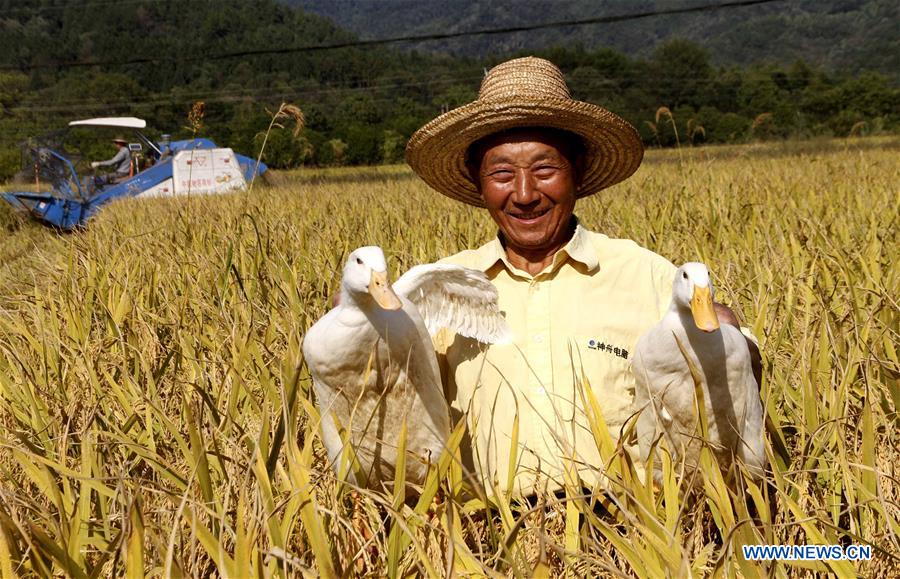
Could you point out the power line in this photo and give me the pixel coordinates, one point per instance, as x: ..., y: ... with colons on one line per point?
x: 397, y: 39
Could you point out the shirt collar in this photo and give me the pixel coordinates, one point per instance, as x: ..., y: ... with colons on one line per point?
x: 579, y: 249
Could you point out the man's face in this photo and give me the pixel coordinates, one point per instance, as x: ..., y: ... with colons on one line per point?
x: 528, y: 181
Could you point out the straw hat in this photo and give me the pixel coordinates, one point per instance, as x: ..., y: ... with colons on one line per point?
x: 120, y: 140
x: 523, y: 92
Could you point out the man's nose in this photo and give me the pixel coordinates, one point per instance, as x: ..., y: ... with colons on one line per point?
x: 525, y: 189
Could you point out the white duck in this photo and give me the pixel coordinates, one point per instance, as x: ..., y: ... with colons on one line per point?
x: 374, y: 366
x: 665, y: 389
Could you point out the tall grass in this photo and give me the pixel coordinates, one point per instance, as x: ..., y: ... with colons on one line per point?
x: 157, y: 417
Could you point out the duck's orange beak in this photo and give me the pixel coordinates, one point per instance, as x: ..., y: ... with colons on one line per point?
x: 381, y: 290
x: 703, y: 310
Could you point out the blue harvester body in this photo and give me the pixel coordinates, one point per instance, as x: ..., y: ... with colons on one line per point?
x: 70, y: 200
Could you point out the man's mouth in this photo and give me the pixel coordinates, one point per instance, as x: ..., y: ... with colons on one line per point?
x: 530, y: 215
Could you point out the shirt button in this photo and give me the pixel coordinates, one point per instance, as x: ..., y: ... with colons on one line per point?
x: 538, y: 338
x: 541, y: 390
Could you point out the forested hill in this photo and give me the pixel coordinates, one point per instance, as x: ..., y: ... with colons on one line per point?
x: 839, y: 35
x: 62, y: 60
x: 178, y: 45
x: 181, y: 38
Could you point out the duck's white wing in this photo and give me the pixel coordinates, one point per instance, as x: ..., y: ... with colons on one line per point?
x: 646, y: 423
x: 750, y: 415
x: 458, y: 298
x: 652, y: 381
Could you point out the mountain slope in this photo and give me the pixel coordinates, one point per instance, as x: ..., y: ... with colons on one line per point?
x: 839, y: 35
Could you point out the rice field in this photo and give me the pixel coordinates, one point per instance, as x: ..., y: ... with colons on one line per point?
x: 156, y: 417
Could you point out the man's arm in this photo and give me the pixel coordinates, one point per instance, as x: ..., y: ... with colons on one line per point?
x: 107, y: 162
x: 117, y: 158
x: 726, y: 315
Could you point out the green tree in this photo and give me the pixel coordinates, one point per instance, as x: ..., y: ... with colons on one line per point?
x: 680, y: 73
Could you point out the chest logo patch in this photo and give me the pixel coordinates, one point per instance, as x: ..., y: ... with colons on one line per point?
x: 600, y: 346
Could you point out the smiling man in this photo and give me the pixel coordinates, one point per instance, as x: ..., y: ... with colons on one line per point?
x: 526, y: 178
x: 577, y: 301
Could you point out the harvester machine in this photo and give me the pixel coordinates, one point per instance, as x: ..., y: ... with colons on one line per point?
x: 64, y: 191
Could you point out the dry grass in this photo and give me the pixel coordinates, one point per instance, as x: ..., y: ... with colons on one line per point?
x: 156, y: 413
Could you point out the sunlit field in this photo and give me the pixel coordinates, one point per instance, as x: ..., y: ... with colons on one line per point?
x: 156, y: 416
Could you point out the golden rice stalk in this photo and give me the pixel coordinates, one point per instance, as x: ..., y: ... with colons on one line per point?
x: 134, y: 550
x: 156, y: 347
x: 663, y: 112
x: 760, y: 120
x: 195, y: 117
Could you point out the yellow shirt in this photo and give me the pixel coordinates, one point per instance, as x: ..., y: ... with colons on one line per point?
x: 583, y: 313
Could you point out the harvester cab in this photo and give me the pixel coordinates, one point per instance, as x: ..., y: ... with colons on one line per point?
x: 65, y: 191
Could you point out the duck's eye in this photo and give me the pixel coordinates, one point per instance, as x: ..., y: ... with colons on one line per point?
x: 359, y: 261
x: 683, y: 274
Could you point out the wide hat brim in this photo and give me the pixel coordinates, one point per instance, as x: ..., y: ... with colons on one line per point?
x: 437, y: 151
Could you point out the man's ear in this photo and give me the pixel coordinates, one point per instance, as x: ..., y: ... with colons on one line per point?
x: 474, y: 171
x: 475, y: 175
x: 580, y: 168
